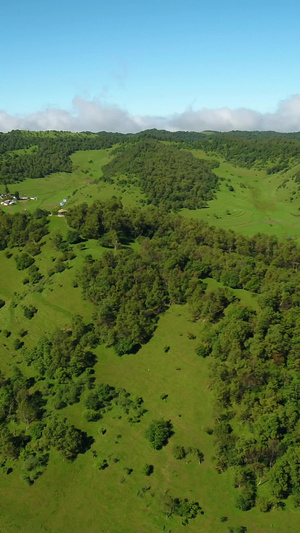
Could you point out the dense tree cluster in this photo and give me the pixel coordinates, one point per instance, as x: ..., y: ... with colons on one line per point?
x: 128, y: 298
x: 131, y: 289
x: 35, y: 431
x: 21, y: 229
x: 270, y: 150
x: 168, y: 176
x: 256, y: 379
x: 158, y: 433
x: 62, y: 366
x: 65, y: 354
x: 48, y: 152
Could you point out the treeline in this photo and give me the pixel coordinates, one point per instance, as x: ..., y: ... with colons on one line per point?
x: 270, y: 150
x: 166, y: 175
x: 274, y: 152
x: 50, y: 152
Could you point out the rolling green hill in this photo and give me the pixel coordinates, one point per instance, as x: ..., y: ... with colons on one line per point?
x: 138, y: 308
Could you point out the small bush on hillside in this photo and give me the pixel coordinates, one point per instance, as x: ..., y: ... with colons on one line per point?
x: 158, y: 433
x: 29, y: 311
x: 179, y: 452
x: 18, y: 344
x: 23, y: 261
x: 147, y: 469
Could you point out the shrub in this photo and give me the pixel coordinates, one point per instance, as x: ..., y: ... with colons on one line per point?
x: 18, y: 344
x: 264, y: 504
x: 147, y: 469
x: 102, y: 464
x: 179, y: 452
x: 244, y: 501
x: 202, y: 350
x: 92, y: 416
x: 158, y: 433
x: 125, y: 345
x: 23, y: 261
x: 295, y: 500
x: 29, y: 311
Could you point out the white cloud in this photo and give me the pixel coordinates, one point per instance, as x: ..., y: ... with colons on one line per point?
x: 93, y: 115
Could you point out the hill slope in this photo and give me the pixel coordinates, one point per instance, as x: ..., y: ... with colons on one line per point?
x: 117, y: 317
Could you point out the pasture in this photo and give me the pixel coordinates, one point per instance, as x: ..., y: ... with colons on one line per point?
x: 76, y: 495
x: 174, y: 383
x: 80, y: 185
x: 257, y: 203
x: 249, y: 201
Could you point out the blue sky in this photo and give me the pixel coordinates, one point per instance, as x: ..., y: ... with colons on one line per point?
x: 153, y: 62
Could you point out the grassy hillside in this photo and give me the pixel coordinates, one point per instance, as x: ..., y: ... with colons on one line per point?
x: 251, y: 201
x: 175, y: 383
x: 77, y: 495
x: 248, y: 201
x: 81, y: 185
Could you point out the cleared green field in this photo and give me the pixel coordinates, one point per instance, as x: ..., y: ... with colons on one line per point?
x: 79, y: 186
x: 258, y: 204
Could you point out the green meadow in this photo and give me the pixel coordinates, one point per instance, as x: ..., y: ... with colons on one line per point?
x: 248, y: 201
x: 76, y: 495
x: 80, y: 185
x: 174, y: 383
x: 258, y: 203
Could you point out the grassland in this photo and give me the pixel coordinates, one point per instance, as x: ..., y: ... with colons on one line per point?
x: 76, y: 496
x: 259, y: 203
x: 81, y: 185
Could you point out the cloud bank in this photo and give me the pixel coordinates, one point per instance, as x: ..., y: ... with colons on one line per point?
x: 97, y: 116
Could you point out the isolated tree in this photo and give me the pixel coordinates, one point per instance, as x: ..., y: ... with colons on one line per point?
x: 158, y: 433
